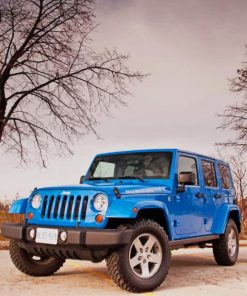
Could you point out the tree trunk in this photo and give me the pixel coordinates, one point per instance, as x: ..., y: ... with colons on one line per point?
x: 3, y: 105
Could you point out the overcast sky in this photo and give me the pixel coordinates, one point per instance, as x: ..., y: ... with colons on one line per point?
x: 190, y: 48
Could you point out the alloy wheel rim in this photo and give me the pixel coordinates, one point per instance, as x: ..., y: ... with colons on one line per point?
x: 145, y: 255
x: 232, y: 242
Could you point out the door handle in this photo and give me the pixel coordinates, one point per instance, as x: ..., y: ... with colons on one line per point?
x: 200, y: 195
x: 217, y: 195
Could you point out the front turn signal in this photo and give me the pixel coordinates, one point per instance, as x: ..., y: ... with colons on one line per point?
x: 30, y: 215
x: 99, y: 218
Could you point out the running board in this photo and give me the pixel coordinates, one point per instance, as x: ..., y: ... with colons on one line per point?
x: 194, y: 240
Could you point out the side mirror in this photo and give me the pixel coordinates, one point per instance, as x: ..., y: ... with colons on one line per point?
x: 180, y: 188
x: 82, y: 179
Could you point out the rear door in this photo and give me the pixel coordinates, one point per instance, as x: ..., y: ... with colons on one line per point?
x: 212, y: 192
x: 226, y: 184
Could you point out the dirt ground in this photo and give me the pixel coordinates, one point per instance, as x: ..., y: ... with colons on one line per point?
x: 192, y: 272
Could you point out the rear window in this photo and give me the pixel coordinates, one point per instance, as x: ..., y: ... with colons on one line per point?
x: 209, y: 175
x: 225, y: 176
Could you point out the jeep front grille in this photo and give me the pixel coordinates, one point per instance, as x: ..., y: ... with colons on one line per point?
x: 64, y: 207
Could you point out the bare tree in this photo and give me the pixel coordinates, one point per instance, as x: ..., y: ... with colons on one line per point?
x: 4, y: 206
x: 239, y: 169
x: 238, y: 164
x: 235, y: 119
x: 235, y: 116
x: 53, y: 85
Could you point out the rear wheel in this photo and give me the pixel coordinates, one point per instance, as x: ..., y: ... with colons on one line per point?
x: 226, y: 248
x: 143, y: 264
x: 31, y: 264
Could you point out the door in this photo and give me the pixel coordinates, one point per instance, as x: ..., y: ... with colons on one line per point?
x: 188, y: 214
x: 227, y: 188
x: 212, y: 192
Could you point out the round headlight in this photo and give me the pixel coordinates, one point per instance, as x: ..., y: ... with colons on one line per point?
x: 100, y: 202
x: 36, y: 201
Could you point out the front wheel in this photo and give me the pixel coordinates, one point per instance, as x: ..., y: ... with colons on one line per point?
x: 33, y: 265
x: 226, y: 248
x: 142, y: 265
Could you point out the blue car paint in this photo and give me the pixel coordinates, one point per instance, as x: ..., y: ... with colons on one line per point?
x: 140, y: 202
x: 222, y: 215
x: 89, y: 221
x: 186, y: 215
x: 19, y: 206
x: 188, y: 209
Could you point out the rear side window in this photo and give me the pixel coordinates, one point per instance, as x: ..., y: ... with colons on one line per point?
x: 209, y: 175
x: 225, y: 176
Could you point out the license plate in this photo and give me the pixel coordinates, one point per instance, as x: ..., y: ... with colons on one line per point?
x: 46, y: 236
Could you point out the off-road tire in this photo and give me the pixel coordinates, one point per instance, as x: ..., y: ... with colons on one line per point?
x: 118, y: 262
x: 24, y: 262
x: 220, y: 247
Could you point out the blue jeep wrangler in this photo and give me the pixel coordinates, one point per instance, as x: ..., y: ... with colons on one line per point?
x: 132, y: 208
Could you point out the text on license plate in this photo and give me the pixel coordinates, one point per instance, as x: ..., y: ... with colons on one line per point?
x: 46, y: 236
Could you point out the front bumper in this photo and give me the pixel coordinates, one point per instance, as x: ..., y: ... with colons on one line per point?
x: 81, y: 243
x: 83, y: 237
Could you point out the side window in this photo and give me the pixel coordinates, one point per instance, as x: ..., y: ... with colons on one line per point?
x: 225, y: 176
x: 188, y: 165
x: 209, y: 175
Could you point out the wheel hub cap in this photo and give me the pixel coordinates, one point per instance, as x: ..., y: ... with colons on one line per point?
x: 145, y: 255
x: 232, y: 242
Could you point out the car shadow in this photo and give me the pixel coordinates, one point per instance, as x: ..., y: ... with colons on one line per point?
x: 185, y: 271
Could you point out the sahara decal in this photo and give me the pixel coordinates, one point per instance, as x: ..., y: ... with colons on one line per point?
x: 146, y: 190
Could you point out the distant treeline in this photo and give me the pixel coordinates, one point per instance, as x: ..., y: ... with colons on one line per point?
x: 4, y: 206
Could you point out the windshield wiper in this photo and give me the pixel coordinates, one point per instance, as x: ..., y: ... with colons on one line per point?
x: 98, y: 178
x: 131, y: 177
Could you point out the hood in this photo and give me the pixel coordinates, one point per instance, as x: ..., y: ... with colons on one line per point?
x: 124, y: 188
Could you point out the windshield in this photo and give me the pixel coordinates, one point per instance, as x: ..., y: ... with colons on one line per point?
x: 149, y: 165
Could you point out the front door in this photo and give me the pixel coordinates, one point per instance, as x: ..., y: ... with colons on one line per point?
x: 189, y: 205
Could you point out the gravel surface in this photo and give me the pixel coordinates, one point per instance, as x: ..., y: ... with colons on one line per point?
x: 4, y: 245
x: 192, y: 272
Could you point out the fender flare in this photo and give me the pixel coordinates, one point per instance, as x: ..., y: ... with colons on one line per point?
x: 19, y: 206
x: 123, y: 208
x: 223, y: 213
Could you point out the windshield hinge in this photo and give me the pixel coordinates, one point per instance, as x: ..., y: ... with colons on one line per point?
x: 117, y: 193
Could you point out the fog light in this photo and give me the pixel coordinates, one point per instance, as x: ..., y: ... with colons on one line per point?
x: 31, y: 233
x: 63, y: 236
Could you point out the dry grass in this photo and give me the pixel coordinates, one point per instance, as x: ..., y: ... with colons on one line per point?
x: 5, y: 217
x: 244, y: 230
